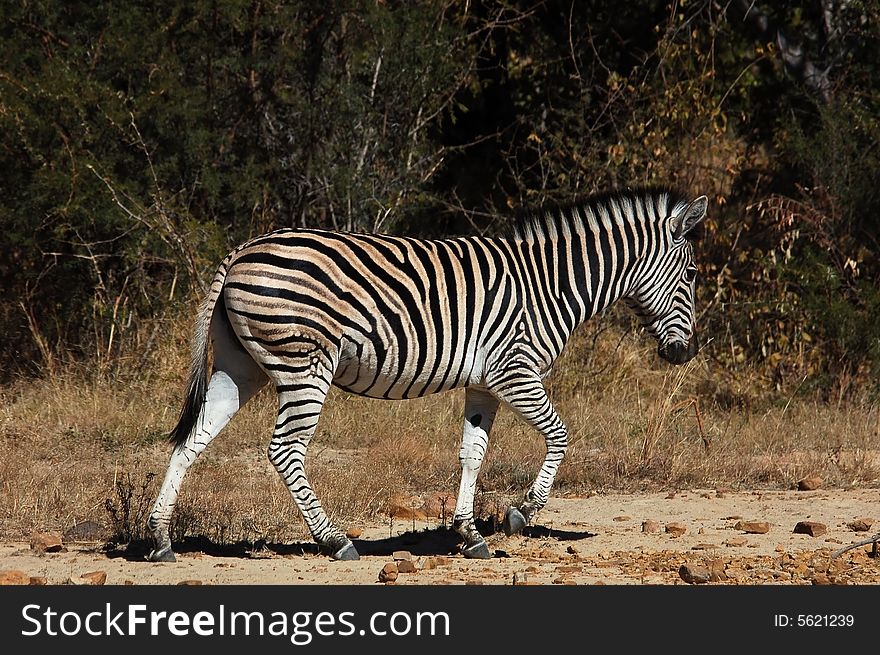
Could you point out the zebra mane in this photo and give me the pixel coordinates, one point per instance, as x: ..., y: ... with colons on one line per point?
x: 552, y: 221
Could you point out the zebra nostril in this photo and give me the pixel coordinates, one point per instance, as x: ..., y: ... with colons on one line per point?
x: 676, y: 352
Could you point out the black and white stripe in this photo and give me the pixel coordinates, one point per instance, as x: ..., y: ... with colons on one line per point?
x: 395, y: 317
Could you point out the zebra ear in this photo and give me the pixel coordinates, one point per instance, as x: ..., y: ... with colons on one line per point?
x: 684, y: 221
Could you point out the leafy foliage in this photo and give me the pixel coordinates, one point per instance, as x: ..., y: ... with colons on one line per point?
x: 138, y: 143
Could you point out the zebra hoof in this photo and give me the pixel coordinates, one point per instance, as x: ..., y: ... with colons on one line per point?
x: 163, y: 555
x: 478, y: 550
x: 514, y: 521
x: 347, y: 553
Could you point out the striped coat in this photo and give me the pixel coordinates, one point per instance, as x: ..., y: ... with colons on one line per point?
x: 395, y: 317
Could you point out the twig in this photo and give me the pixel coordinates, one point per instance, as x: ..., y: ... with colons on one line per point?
x: 872, y: 540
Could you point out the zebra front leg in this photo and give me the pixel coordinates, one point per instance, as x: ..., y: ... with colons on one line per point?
x: 527, y: 397
x: 480, y: 408
x: 300, y: 405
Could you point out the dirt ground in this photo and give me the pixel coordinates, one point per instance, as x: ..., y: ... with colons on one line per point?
x: 602, y: 539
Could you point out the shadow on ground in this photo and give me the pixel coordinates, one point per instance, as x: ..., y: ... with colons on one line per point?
x: 433, y: 541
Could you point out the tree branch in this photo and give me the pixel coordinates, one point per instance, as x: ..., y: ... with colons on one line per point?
x: 791, y: 50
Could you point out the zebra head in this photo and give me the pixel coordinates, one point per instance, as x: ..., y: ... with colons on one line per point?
x: 663, y: 292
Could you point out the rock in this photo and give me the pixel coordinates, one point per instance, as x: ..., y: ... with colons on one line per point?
x: 716, y: 570
x: 92, y: 578
x: 405, y: 508
x: 406, y: 566
x: 810, y: 483
x: 353, y: 533
x: 676, y: 529
x: 736, y: 542
x: 11, y: 577
x: 502, y: 554
x: 821, y: 579
x: 860, y: 525
x: 46, y: 542
x: 401, y: 555
x: 85, y: 532
x: 190, y: 583
x: 571, y: 550
x: 388, y: 572
x: 128, y: 583
x: 704, y: 546
x: 520, y: 578
x: 650, y: 526
x: 811, y: 528
x: 433, y: 561
x: 38, y: 581
x: 753, y: 527
x: 621, y: 519
x: 570, y: 568
x: 694, y: 573
x: 440, y: 504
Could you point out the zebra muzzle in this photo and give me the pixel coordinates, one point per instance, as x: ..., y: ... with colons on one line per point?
x: 679, y: 352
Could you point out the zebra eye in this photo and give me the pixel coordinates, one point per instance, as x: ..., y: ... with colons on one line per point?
x: 690, y: 274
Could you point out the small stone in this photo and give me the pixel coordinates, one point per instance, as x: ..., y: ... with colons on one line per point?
x: 520, y: 578
x: 571, y: 550
x: 427, y: 563
x: 676, y: 529
x: 811, y: 528
x: 716, y: 570
x: 353, y: 533
x: 860, y: 525
x: 650, y: 526
x: 501, y: 554
x: 406, y: 566
x: 38, y: 581
x: 704, y: 546
x: 810, y: 483
x: 621, y: 519
x: 405, y: 508
x: 398, y: 555
x: 440, y: 504
x: 190, y: 583
x: 821, y: 579
x: 753, y: 527
x: 570, y: 568
x: 388, y: 572
x: 11, y: 577
x: 736, y: 542
x: 46, y: 542
x: 670, y: 495
x: 128, y: 583
x: 94, y: 577
x: 694, y: 573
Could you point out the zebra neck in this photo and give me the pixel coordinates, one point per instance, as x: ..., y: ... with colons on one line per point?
x: 581, y: 274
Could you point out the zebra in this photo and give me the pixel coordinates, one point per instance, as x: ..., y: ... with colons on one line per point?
x: 396, y: 317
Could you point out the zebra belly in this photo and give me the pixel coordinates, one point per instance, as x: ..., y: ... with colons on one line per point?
x: 365, y: 372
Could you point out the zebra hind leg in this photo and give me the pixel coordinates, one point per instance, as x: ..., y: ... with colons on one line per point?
x: 300, y: 400
x: 479, y: 414
x: 527, y: 397
x: 227, y: 391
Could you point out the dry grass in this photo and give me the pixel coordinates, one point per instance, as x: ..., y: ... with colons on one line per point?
x: 82, y: 446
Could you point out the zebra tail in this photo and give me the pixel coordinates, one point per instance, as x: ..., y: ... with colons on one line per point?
x: 198, y: 372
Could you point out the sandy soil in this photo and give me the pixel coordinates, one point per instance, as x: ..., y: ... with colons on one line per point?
x: 595, y: 540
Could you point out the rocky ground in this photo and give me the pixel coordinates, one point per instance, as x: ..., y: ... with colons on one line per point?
x: 710, y: 536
